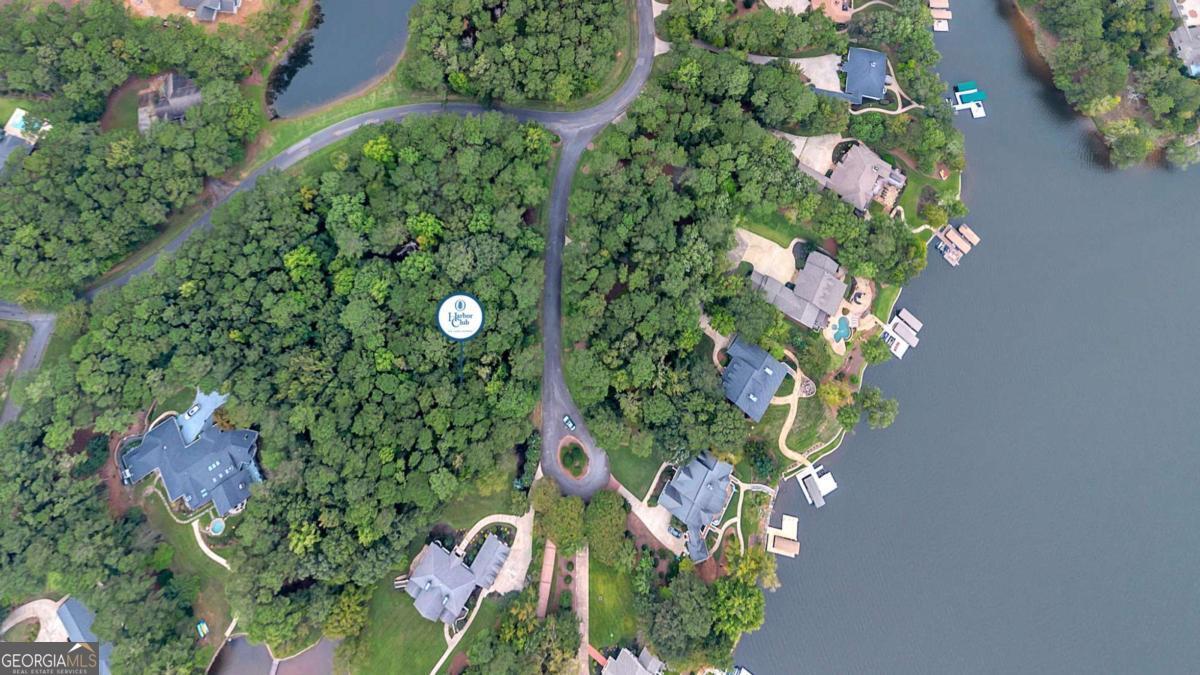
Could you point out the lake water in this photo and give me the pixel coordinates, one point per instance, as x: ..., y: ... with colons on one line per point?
x: 358, y: 41
x: 1034, y: 507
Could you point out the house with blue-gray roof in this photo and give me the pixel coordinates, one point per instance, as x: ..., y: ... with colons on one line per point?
x: 751, y: 378
x: 198, y: 462
x: 866, y: 72
x: 77, y: 619
x: 697, y: 496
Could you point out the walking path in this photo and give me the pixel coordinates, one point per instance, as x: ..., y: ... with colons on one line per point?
x: 547, y: 578
x: 720, y: 342
x: 581, y: 609
x: 803, y: 388
x: 657, y: 518
x: 45, y: 612
x: 204, y: 546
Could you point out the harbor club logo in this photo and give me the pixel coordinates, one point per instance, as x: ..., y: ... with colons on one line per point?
x: 49, y: 658
x: 460, y: 316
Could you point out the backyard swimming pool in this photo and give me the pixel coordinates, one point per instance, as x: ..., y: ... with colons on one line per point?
x: 217, y: 526
x: 842, y: 333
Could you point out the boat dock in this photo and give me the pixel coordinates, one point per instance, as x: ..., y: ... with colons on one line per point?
x: 968, y: 96
x: 940, y: 9
x: 901, y: 334
x: 816, y: 485
x: 955, y: 242
x: 783, y: 540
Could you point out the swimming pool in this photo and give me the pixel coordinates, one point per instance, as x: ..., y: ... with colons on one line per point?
x: 842, y: 333
x: 217, y: 526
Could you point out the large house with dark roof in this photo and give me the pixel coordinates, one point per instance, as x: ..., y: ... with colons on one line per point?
x: 866, y: 75
x: 441, y: 582
x: 626, y: 663
x: 697, y: 496
x: 197, y: 461
x: 751, y: 378
x: 167, y: 98
x: 862, y: 177
x: 814, y: 295
x: 78, y: 619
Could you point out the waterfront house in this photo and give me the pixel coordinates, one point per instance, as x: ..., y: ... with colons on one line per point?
x: 77, y: 619
x: 866, y: 75
x: 697, y: 496
x: 814, y: 294
x: 626, y: 663
x: 751, y: 378
x: 167, y: 98
x: 198, y: 462
x: 441, y: 582
x: 862, y: 177
x: 207, y: 10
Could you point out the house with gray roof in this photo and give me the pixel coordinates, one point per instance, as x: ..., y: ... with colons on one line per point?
x: 626, y: 663
x: 166, y: 99
x: 866, y: 75
x: 751, y: 378
x: 697, y: 495
x: 207, y: 10
x: 441, y: 582
x: 78, y: 619
x: 1187, y: 48
x: 197, y: 461
x: 862, y: 177
x: 814, y: 294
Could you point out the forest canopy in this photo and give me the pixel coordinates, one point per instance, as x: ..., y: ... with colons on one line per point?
x: 309, y: 303
x: 544, y: 50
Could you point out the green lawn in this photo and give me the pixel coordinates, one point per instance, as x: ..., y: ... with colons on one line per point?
x: 470, y: 507
x: 635, y: 473
x: 399, y: 640
x: 485, y: 622
x: 7, y: 105
x: 189, y: 561
x: 775, y: 226
x: 125, y: 109
x: 610, y: 601
x: 916, y: 184
x: 829, y: 447
x: 731, y: 509
x: 813, y: 420
x: 885, y: 300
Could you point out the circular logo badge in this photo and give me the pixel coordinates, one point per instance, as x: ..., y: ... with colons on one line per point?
x: 460, y: 317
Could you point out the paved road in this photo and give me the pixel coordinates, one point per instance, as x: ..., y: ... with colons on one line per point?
x: 31, y: 357
x: 576, y: 129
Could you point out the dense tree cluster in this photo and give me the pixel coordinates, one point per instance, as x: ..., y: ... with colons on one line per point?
x: 58, y: 536
x: 522, y: 643
x: 311, y: 303
x: 762, y: 31
x: 546, y: 50
x: 1111, y: 51
x: 78, y: 55
x: 85, y: 198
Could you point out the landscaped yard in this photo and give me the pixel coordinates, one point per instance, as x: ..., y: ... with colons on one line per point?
x: 190, y: 562
x: 813, y: 423
x: 775, y: 226
x: 468, y: 509
x: 398, y: 639
x: 635, y: 473
x: 122, y: 111
x: 610, y: 618
x: 26, y: 631
x: 884, y: 300
x: 574, y: 459
x: 485, y: 622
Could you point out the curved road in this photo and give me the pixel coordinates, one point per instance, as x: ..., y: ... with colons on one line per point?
x: 576, y: 129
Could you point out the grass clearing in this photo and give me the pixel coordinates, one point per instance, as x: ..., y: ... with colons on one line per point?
x: 885, y: 301
x: 812, y: 422
x: 190, y: 562
x: 776, y: 226
x: 610, y: 596
x: 26, y: 631
x: 635, y: 473
x: 399, y: 640
x: 122, y: 111
x: 472, y: 505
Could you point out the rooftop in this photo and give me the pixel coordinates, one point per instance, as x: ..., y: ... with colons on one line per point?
x: 213, y: 466
x: 78, y: 619
x: 626, y: 663
x: 207, y: 10
x: 816, y: 291
x: 441, y: 582
x: 751, y: 378
x: 696, y: 495
x: 862, y: 175
x: 866, y: 75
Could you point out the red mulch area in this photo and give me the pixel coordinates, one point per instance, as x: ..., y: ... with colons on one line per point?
x: 459, y: 663
x: 118, y: 496
x: 560, y: 584
x: 643, y: 537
